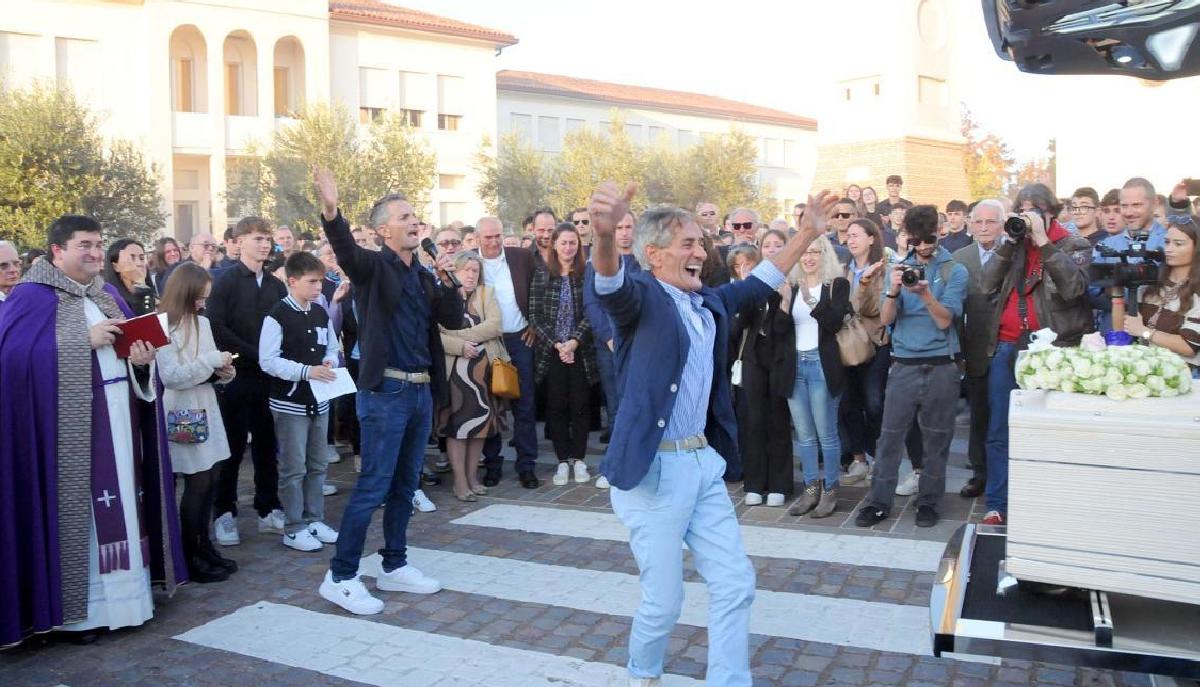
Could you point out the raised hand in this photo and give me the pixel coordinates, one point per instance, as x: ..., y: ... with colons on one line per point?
x: 609, y: 206
x: 327, y: 191
x: 815, y: 214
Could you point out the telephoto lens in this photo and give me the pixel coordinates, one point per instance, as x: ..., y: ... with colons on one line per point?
x: 1016, y: 227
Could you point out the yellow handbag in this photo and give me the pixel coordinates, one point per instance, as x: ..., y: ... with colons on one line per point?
x: 505, y: 383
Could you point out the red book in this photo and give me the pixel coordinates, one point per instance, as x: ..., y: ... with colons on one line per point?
x: 148, y: 328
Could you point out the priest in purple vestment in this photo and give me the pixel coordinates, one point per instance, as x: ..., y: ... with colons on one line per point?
x: 88, y: 519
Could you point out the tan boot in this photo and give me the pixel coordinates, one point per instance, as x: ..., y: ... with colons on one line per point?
x: 808, y: 500
x: 827, y: 505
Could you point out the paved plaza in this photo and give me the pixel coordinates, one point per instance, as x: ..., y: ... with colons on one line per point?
x: 540, y: 588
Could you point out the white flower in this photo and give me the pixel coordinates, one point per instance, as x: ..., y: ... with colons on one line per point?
x: 1116, y: 392
x: 1138, y: 391
x: 1156, y: 384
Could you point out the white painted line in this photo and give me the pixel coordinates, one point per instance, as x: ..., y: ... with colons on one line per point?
x: 379, y: 654
x: 851, y: 549
x: 846, y: 622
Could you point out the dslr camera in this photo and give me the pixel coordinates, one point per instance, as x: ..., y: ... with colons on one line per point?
x: 1017, y: 225
x: 912, y: 275
x: 1124, y: 273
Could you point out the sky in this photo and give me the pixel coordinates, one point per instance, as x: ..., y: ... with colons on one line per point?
x: 771, y: 53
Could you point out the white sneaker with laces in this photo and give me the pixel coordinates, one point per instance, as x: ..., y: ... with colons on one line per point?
x: 753, y: 499
x: 324, y: 533
x: 774, y: 500
x: 858, y: 472
x: 274, y: 522
x: 350, y: 594
x: 422, y: 503
x: 602, y: 482
x: 581, y: 472
x: 225, y: 528
x: 302, y: 541
x: 562, y: 474
x: 407, y: 579
x: 328, y: 489
x: 909, y: 485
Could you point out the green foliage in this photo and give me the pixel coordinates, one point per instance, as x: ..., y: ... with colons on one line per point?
x: 53, y: 162
x: 390, y: 158
x: 720, y: 169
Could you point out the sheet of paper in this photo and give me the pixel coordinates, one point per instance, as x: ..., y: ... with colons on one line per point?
x: 324, y: 391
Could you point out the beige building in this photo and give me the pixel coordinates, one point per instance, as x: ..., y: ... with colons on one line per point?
x: 195, y: 82
x: 542, y: 108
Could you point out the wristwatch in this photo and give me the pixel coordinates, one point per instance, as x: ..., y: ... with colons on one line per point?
x: 1146, y: 335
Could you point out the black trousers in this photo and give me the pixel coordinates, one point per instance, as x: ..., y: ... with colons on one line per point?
x: 766, y: 442
x: 244, y: 409
x: 568, y: 411
x: 977, y: 400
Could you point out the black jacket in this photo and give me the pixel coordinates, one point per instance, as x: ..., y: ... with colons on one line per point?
x: 377, y: 286
x: 830, y: 317
x: 236, y: 309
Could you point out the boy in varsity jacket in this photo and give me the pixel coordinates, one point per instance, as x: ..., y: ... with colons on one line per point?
x: 297, y: 345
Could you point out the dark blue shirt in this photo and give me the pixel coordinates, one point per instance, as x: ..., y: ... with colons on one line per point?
x: 410, y: 322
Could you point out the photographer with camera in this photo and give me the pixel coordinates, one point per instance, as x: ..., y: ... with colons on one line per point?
x: 923, y: 297
x: 1039, y: 278
x: 1168, y: 312
x: 1141, y: 240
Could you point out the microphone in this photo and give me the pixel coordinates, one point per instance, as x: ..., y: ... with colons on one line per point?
x: 429, y: 247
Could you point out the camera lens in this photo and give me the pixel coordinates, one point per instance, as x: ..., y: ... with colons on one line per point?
x: 910, y: 277
x: 1016, y: 227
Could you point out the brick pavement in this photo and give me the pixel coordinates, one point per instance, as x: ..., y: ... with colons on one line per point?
x: 153, y: 654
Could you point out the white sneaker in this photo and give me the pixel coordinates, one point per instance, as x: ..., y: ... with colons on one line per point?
x: 602, y: 482
x: 581, y: 472
x: 334, y: 456
x: 324, y: 533
x: 407, y: 579
x: 561, y: 475
x: 274, y: 522
x: 908, y: 486
x: 644, y: 682
x: 351, y: 595
x: 774, y: 500
x: 302, y: 541
x: 422, y: 503
x: 858, y: 472
x: 328, y: 489
x: 225, y: 528
x: 357, y: 463
x: 753, y: 499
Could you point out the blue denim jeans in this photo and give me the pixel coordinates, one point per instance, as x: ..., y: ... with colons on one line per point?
x: 395, y: 420
x: 607, y: 368
x: 524, y: 413
x: 1001, y: 381
x: 814, y: 418
x: 683, y: 499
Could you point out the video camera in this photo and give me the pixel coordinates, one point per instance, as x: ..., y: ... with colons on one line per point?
x: 1124, y: 273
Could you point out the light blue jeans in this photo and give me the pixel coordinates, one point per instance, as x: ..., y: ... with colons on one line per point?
x: 815, y: 419
x: 683, y: 499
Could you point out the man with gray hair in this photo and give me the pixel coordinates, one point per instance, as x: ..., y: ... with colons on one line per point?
x: 670, y: 334
x: 10, y: 268
x: 744, y: 223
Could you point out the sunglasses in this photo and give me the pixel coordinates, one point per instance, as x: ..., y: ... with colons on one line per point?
x: 843, y: 215
x: 449, y: 242
x: 741, y: 225
x: 930, y: 239
x: 583, y: 222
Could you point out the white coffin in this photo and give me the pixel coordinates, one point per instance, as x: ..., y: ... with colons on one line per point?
x: 1105, y: 494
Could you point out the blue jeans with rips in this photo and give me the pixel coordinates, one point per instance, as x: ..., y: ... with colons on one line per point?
x: 395, y: 420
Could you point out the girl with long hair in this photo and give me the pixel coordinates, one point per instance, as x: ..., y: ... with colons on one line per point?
x: 166, y: 253
x: 194, y: 425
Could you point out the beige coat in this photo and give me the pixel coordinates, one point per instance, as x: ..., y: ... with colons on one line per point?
x: 488, y: 332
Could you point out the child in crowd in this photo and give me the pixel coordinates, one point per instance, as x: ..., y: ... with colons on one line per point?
x: 296, y: 346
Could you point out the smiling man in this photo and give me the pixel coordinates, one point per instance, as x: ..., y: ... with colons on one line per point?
x: 670, y: 333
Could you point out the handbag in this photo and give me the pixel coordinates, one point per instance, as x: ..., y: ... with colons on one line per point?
x: 505, y: 383
x: 187, y: 426
x: 854, y: 341
x: 735, y: 370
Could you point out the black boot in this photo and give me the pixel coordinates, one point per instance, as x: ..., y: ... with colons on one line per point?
x: 199, y: 569
x: 209, y: 553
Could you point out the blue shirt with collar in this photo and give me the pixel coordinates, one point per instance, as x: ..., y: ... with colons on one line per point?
x: 408, y: 347
x: 669, y: 342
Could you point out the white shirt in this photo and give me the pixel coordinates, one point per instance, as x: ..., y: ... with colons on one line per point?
x: 497, y: 275
x: 806, y: 326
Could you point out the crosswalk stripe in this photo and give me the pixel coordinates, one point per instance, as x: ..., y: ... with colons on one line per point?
x: 377, y: 653
x: 830, y: 620
x: 774, y: 542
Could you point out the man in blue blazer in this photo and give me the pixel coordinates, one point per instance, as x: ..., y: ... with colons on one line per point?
x: 664, y: 461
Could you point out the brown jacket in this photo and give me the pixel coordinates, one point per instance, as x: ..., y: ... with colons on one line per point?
x: 488, y: 332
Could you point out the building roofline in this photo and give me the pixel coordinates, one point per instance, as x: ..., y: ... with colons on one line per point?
x: 377, y: 13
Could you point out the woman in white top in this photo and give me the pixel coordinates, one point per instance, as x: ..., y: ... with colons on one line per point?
x: 820, y: 302
x: 188, y: 365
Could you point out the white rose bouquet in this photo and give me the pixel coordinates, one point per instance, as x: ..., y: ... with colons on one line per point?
x: 1118, y: 372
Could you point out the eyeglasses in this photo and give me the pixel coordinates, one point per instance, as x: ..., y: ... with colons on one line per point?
x: 741, y: 225
x: 1082, y: 208
x: 578, y: 222
x: 449, y: 242
x: 843, y: 215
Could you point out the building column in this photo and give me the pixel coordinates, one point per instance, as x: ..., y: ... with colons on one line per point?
x: 216, y: 153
